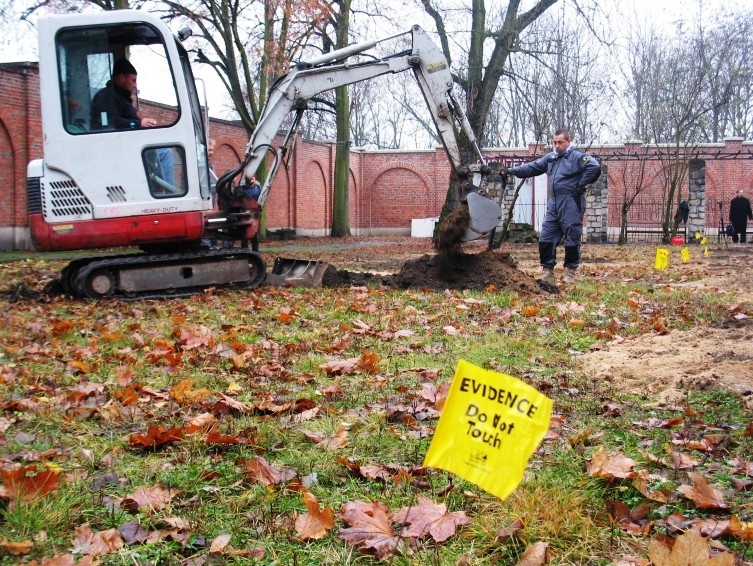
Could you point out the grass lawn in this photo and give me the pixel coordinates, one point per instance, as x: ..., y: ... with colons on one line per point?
x: 289, y: 425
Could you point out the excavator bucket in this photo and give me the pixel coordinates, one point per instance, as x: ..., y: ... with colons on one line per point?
x: 297, y: 272
x: 485, y: 215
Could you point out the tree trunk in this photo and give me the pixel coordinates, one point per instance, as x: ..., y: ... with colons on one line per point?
x: 340, y: 201
x: 340, y: 206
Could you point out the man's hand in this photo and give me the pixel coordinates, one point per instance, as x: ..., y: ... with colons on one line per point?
x: 148, y: 122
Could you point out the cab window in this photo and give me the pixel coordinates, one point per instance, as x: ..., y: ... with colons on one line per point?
x: 165, y: 168
x: 107, y: 73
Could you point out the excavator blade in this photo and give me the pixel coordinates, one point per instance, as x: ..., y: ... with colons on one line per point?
x: 288, y: 272
x: 485, y: 215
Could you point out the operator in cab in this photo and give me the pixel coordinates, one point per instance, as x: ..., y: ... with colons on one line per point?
x: 112, y: 107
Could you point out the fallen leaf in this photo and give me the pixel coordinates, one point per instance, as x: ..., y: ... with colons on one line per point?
x: 511, y: 530
x: 184, y: 393
x: 14, y: 548
x: 26, y: 483
x: 740, y: 530
x: 148, y: 499
x: 259, y: 470
x: 641, y: 485
x: 367, y: 362
x: 689, y: 549
x: 156, y: 435
x: 314, y: 524
x: 609, y: 467
x: 219, y: 543
x: 370, y: 529
x: 429, y: 518
x: 338, y: 439
x: 534, y: 555
x: 133, y: 532
x: 702, y: 494
x: 96, y: 544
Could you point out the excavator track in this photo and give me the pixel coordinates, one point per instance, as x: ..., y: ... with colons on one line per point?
x: 149, y: 276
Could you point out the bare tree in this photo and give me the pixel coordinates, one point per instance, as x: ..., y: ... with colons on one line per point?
x: 681, y: 99
x: 489, y: 44
x: 726, y: 55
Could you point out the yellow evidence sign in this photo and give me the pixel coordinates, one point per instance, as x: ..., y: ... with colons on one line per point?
x: 490, y: 426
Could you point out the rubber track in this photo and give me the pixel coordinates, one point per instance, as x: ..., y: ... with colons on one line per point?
x: 81, y: 268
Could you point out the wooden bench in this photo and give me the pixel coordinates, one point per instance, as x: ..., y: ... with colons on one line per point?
x: 651, y: 231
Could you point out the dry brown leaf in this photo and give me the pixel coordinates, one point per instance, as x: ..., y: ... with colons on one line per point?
x: 96, y: 544
x: 641, y: 485
x: 681, y: 461
x: 609, y: 467
x: 184, y: 393
x: 689, y: 549
x: 259, y: 470
x: 314, y: 524
x: 621, y: 515
x: 370, y: 529
x: 202, y: 422
x: 26, y: 483
x: 156, y: 435
x: 16, y: 548
x: 702, y: 494
x: 148, y: 499
x: 338, y: 439
x: 429, y: 518
x: 511, y: 530
x: 535, y: 554
x: 219, y: 543
x: 740, y: 530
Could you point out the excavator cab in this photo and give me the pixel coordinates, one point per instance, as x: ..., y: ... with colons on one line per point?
x: 106, y: 178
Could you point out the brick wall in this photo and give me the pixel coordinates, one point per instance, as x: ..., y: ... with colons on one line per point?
x: 20, y: 142
x: 387, y: 188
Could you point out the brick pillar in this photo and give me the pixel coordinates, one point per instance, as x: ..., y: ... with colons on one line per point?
x: 696, y: 197
x: 597, y: 210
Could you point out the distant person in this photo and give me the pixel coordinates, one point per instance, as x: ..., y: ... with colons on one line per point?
x: 739, y: 214
x: 568, y: 171
x: 211, y: 144
x: 253, y: 191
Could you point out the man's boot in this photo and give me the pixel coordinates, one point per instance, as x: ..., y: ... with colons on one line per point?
x: 569, y: 276
x: 547, y: 275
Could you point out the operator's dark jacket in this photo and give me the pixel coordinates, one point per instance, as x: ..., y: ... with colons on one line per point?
x: 740, y: 213
x: 116, y: 102
x: 568, y: 173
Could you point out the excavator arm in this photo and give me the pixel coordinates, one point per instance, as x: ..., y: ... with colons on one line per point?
x: 292, y: 92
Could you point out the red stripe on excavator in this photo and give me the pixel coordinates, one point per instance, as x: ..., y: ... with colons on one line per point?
x: 115, y: 232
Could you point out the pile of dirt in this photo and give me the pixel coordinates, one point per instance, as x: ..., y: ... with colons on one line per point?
x: 490, y: 268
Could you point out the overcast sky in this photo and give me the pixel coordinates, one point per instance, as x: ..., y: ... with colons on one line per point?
x: 18, y: 40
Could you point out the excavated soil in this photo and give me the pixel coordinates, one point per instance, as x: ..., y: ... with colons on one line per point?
x: 489, y: 269
x: 664, y: 368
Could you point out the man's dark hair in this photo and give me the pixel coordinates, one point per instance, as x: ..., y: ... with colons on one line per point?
x: 564, y: 132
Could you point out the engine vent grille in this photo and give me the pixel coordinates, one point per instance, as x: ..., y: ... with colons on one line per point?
x: 66, y: 200
x: 116, y: 194
x: 33, y: 195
